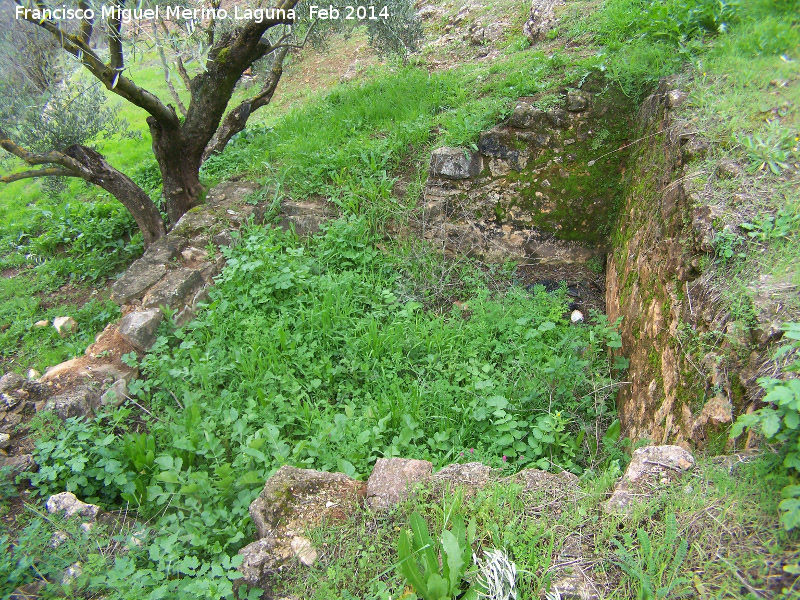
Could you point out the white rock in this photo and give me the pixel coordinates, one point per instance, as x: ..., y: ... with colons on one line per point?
x: 41, y: 324
x: 70, y: 505
x: 576, y: 316
x: 71, y: 574
x: 5, y: 440
x: 116, y: 394
x: 65, y: 325
x: 33, y: 374
x: 304, y: 550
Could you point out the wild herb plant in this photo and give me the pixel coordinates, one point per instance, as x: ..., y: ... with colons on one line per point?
x: 779, y: 422
x: 654, y: 565
x: 436, y: 568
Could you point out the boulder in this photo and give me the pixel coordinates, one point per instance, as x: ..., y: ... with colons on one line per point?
x: 174, y: 290
x: 140, y: 277
x: 68, y: 504
x: 541, y: 20
x: 650, y: 468
x: 392, y: 479
x: 500, y: 143
x: 675, y: 98
x: 527, y: 116
x: 65, y: 326
x: 79, y: 402
x: 11, y: 381
x: 296, y: 496
x: 17, y: 464
x: 305, y: 217
x: 293, y: 500
x: 578, y: 101
x: 116, y: 394
x: 139, y: 328
x: 198, y: 220
x: 164, y: 249
x: 454, y: 163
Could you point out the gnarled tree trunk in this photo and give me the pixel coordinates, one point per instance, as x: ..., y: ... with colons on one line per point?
x: 99, y: 172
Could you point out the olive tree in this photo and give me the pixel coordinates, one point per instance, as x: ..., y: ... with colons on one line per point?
x: 221, y: 48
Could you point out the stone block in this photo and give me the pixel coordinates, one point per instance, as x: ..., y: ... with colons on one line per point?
x: 175, y: 290
x: 454, y: 163
x: 392, y: 479
x: 139, y: 328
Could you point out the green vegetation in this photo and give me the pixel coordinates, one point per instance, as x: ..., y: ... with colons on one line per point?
x: 779, y: 423
x: 331, y: 352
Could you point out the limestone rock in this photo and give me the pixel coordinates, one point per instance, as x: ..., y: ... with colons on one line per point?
x: 139, y: 328
x: 33, y: 374
x: 116, y: 394
x: 198, y: 220
x: 305, y: 217
x: 304, y: 550
x: 729, y: 169
x: 68, y: 503
x: 258, y: 562
x: 71, y: 574
x: 11, y: 381
x: 140, y: 276
x: 164, y: 249
x: 716, y: 412
x: 576, y: 316
x: 527, y: 116
x: 174, y: 289
x: 17, y: 464
x: 577, y: 101
x: 192, y: 254
x: 41, y: 324
x: 5, y: 440
x: 649, y: 469
x: 500, y: 143
x: 79, y: 402
x: 292, y: 500
x: 65, y: 326
x: 675, y: 98
x: 223, y: 238
x: 541, y: 20
x: 295, y: 496
x: 392, y: 479
x: 454, y: 163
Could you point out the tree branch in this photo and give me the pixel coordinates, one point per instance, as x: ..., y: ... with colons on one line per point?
x: 236, y: 120
x: 86, y: 24
x: 107, y: 74
x: 50, y: 158
x: 116, y: 57
x: 164, y: 64
x: 46, y: 172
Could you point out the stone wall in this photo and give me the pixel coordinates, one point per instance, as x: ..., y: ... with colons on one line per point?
x: 682, y: 390
x: 543, y: 186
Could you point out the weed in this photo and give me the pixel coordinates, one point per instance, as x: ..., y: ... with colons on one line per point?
x: 654, y: 566
x: 777, y: 148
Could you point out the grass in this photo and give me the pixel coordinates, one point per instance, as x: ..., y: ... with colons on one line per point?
x: 355, y: 554
x: 331, y: 353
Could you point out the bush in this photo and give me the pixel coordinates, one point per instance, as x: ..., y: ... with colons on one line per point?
x: 779, y: 423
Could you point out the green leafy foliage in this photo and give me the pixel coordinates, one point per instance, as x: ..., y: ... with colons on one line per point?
x: 420, y: 555
x: 779, y: 423
x: 654, y: 564
x: 776, y: 148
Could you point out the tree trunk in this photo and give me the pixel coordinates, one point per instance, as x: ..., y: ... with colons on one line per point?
x: 179, y: 161
x: 122, y: 187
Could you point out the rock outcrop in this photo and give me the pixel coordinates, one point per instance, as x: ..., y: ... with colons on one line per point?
x: 539, y: 189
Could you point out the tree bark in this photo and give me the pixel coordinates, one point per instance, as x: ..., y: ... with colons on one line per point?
x: 179, y: 161
x: 122, y: 187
